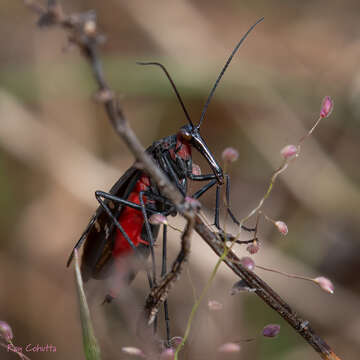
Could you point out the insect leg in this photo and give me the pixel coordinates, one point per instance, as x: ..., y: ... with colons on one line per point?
x: 160, y: 292
x: 201, y: 177
x: 172, y: 174
x: 227, y: 194
x: 169, y: 206
x: 205, y: 188
x: 106, y: 202
x: 99, y: 195
x: 217, y: 201
x: 164, y: 255
x: 163, y: 273
x: 229, y: 237
x: 107, y: 196
x: 217, y: 208
x: 149, y: 234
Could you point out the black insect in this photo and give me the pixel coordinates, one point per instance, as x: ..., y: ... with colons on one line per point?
x: 120, y: 227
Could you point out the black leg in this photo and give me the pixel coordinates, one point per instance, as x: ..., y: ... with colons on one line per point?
x: 163, y: 273
x: 160, y: 292
x: 201, y: 177
x: 204, y: 189
x: 150, y: 235
x: 107, y: 196
x: 217, y: 208
x: 99, y: 195
x: 227, y: 194
x: 211, y: 183
x: 168, y: 205
x: 229, y: 237
x: 173, y: 175
x: 164, y: 251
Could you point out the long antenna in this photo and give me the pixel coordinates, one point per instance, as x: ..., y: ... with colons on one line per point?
x: 173, y: 86
x: 224, y: 69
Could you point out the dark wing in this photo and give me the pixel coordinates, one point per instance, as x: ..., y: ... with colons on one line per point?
x: 99, y: 234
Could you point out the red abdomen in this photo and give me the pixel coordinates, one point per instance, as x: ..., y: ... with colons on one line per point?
x: 131, y: 220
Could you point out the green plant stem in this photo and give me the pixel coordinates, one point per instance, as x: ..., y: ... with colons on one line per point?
x: 198, y: 302
x: 91, y: 347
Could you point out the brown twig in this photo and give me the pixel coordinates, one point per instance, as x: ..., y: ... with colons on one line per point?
x: 82, y: 31
x: 267, y: 294
x: 159, y: 294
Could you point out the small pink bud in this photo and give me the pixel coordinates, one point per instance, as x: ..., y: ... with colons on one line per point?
x: 289, y: 151
x: 325, y: 284
x: 229, y: 347
x: 326, y: 107
x: 282, y: 227
x: 193, y: 203
x: 271, y: 330
x: 196, y: 169
x: 157, y: 219
x: 167, y: 354
x: 5, y: 331
x: 248, y: 263
x: 215, y: 305
x: 132, y: 351
x: 240, y: 286
x: 175, y: 341
x: 104, y: 95
x: 90, y: 27
x: 253, y: 248
x: 230, y: 154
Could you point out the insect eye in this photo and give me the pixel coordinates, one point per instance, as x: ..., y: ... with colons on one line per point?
x: 185, y: 134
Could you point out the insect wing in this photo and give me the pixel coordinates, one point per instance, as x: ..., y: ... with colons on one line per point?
x: 99, y: 234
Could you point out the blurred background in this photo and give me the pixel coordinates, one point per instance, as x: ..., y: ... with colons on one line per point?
x: 57, y: 148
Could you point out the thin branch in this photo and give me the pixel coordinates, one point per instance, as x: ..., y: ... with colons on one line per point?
x: 82, y: 31
x: 159, y: 293
x: 267, y: 294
